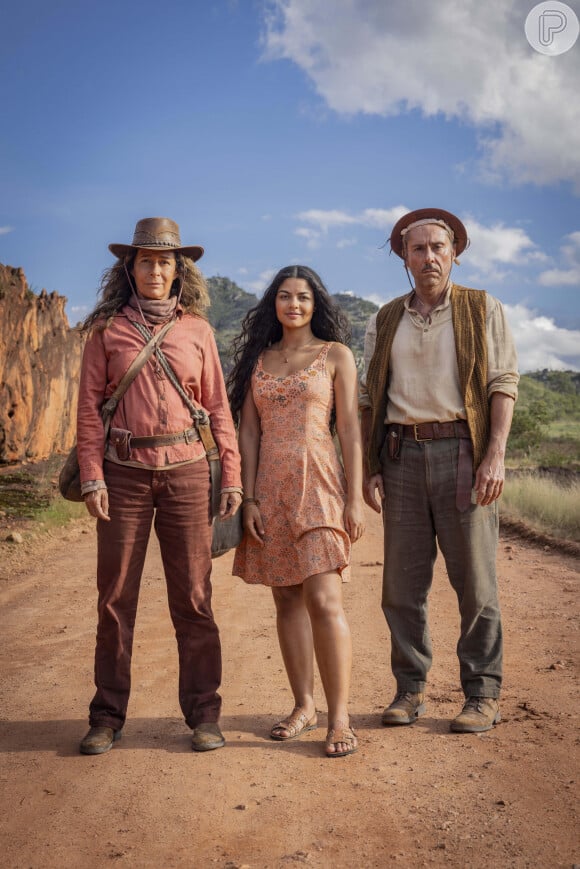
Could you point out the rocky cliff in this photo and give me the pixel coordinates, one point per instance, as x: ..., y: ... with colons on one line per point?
x: 40, y: 359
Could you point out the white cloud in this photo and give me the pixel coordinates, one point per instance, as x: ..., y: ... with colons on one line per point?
x: 311, y: 236
x: 540, y: 343
x: 4, y: 230
x: 374, y: 218
x: 462, y: 59
x: 570, y: 275
x: 345, y: 242
x: 326, y: 220
x: 499, y: 245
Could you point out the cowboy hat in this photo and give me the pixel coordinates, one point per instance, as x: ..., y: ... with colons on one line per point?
x: 426, y: 214
x: 156, y: 233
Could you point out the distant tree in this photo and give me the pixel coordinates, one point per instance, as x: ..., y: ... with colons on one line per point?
x: 529, y: 424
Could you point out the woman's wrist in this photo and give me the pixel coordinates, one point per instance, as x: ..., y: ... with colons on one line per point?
x: 92, y: 486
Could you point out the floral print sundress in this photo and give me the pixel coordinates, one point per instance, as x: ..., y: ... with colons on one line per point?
x: 300, y: 482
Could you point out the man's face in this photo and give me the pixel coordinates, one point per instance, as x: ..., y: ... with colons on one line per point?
x: 429, y: 255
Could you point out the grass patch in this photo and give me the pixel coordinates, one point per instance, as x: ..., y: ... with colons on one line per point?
x: 59, y: 512
x: 546, y: 505
x: 29, y: 494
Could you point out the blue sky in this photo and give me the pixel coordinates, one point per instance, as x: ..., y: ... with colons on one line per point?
x: 295, y: 131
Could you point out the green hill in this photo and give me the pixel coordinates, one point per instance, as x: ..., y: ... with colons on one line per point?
x: 229, y: 305
x: 546, y: 425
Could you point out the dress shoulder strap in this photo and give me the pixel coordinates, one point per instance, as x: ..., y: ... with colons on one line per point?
x: 320, y: 361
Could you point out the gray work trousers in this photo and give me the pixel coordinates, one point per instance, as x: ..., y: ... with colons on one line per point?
x: 419, y: 512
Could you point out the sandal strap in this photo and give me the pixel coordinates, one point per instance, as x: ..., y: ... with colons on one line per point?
x: 341, y: 734
x: 294, y: 723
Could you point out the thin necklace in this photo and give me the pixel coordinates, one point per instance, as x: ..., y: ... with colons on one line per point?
x: 285, y: 352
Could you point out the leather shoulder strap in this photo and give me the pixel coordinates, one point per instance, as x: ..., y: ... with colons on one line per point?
x: 133, y: 370
x: 199, y: 416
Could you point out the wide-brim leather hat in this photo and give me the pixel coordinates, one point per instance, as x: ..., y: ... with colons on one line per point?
x: 156, y: 233
x: 435, y: 214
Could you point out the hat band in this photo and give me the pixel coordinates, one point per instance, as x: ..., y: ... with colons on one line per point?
x: 150, y: 245
x: 425, y: 222
x: 165, y: 239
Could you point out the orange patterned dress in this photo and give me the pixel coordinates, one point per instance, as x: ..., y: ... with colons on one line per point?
x: 300, y: 482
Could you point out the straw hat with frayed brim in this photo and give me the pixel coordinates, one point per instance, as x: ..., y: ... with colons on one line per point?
x: 156, y: 233
x: 459, y: 231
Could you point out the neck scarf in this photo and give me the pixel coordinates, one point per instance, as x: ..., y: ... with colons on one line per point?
x: 154, y: 310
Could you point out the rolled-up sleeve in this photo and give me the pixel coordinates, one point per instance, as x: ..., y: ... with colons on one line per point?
x: 502, y: 361
x: 368, y: 351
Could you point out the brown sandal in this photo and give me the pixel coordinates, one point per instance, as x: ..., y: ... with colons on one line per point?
x: 296, y: 724
x: 341, y: 734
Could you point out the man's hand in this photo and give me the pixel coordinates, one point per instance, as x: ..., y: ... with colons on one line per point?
x: 490, y: 478
x: 370, y: 487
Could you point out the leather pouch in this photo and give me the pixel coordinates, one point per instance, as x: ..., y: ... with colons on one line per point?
x: 120, y: 438
x: 394, y: 443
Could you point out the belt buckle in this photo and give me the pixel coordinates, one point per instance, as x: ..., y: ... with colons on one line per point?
x: 187, y: 435
x: 417, y: 438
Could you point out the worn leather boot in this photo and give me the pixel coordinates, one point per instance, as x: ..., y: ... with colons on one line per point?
x: 99, y: 740
x: 405, y: 708
x: 478, y: 715
x: 207, y: 736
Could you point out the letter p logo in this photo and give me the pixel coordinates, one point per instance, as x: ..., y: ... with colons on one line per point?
x: 550, y: 22
x: 552, y: 27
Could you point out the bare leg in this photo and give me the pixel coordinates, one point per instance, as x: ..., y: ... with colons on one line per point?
x: 333, y: 647
x: 295, y: 637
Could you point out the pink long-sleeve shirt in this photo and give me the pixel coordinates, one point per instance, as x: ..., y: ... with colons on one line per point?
x: 151, y: 405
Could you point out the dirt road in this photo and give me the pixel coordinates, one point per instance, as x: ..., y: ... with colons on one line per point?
x: 411, y: 796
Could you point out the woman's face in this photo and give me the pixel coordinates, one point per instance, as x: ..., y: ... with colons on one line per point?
x: 154, y: 272
x: 294, y: 303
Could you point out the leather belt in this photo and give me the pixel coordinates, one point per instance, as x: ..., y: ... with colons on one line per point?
x: 423, y: 432
x: 434, y: 431
x: 188, y: 436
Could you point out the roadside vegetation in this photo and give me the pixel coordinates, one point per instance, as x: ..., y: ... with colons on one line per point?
x: 546, y: 505
x: 542, y: 488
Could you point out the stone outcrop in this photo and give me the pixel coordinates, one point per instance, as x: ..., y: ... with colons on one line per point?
x: 40, y: 357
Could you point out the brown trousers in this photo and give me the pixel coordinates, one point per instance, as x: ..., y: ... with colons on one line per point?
x: 177, y: 501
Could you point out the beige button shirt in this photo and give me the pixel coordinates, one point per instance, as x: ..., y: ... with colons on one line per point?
x: 424, y: 380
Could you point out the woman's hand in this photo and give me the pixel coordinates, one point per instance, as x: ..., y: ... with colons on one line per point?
x: 229, y: 504
x: 97, y: 503
x: 354, y: 519
x: 253, y: 522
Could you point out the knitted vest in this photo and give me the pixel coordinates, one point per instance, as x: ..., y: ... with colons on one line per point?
x: 468, y: 311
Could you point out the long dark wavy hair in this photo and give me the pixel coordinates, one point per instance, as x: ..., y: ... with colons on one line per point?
x: 261, y: 328
x: 115, y: 290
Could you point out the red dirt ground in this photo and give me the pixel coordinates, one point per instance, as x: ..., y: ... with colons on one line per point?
x: 411, y: 796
